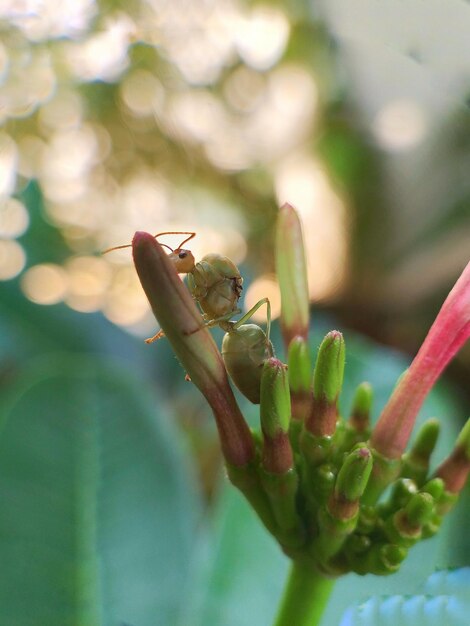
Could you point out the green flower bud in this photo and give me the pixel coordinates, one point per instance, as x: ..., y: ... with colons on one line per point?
x: 416, y: 461
x: 367, y: 519
x: 419, y: 509
x: 354, y: 474
x: 329, y: 368
x: 455, y: 469
x: 435, y: 488
x: 300, y: 366
x: 384, y: 472
x: 381, y: 559
x: 463, y: 440
x: 402, y: 492
x: 322, y: 479
x: 275, y: 417
x: 327, y: 383
x: 431, y: 527
x: 291, y: 269
x: 358, y: 544
x: 398, y: 530
x: 275, y: 398
x: 361, y: 407
x: 392, y: 556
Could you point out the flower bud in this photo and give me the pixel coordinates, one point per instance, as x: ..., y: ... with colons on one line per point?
x: 300, y: 376
x: 351, y: 481
x: 327, y: 383
x: 416, y: 461
x: 419, y: 509
x: 454, y: 470
x: 275, y: 417
x: 291, y: 269
x: 435, y: 487
x: 357, y: 428
x: 401, y: 493
x: 447, y: 335
x: 275, y: 398
x: 362, y: 403
x: 300, y: 367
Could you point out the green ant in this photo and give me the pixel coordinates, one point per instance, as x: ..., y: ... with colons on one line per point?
x: 216, y: 285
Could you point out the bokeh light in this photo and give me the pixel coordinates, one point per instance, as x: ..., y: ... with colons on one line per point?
x: 118, y: 110
x: 261, y: 36
x: 400, y: 125
x: 302, y: 181
x: 45, y: 283
x: 12, y: 259
x: 125, y: 303
x: 8, y: 163
x: 265, y: 286
x: 14, y: 218
x: 88, y: 279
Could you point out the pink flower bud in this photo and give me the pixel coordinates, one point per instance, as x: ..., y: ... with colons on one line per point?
x: 447, y: 335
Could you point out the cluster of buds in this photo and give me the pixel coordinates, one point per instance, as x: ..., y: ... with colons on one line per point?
x: 314, y: 478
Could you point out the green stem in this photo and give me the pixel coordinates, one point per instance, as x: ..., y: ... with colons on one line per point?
x: 305, y: 596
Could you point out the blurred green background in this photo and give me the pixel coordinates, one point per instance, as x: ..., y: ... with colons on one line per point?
x: 184, y: 115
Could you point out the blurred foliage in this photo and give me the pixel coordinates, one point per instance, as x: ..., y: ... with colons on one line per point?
x: 444, y: 601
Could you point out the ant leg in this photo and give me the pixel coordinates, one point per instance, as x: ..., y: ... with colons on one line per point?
x: 252, y: 311
x: 208, y: 323
x: 222, y: 318
x: 156, y: 337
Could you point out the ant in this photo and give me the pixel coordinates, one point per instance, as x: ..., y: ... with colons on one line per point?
x: 216, y: 284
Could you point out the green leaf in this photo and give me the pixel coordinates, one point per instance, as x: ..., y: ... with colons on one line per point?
x: 98, y: 512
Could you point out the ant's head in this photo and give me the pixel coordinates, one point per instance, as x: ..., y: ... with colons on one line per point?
x: 183, y: 260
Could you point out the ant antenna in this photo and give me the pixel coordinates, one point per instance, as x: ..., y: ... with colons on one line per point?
x: 168, y: 232
x: 128, y: 245
x: 178, y: 232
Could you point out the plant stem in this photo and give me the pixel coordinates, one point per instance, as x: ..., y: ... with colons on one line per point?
x: 305, y: 596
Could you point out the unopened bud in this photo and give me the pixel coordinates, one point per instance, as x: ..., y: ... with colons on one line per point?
x: 327, y: 383
x: 275, y: 417
x: 416, y: 461
x: 291, y: 269
x: 435, y: 488
x: 362, y: 403
x: 300, y: 366
x: 353, y: 476
x: 454, y: 470
x: 300, y: 376
x: 419, y: 509
x: 402, y: 492
x: 275, y: 398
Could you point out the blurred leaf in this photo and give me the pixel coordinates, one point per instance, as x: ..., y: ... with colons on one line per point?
x: 446, y: 602
x: 244, y: 569
x: 28, y: 329
x: 98, y: 510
